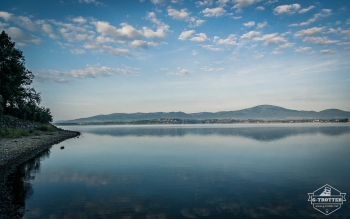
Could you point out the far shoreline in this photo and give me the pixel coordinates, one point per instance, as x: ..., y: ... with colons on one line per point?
x: 199, y: 123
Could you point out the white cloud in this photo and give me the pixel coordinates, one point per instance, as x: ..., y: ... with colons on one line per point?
x: 230, y: 40
x: 286, y: 33
x: 286, y: 9
x: 27, y: 23
x: 258, y: 55
x: 204, y: 3
x: 271, y: 2
x: 158, y: 1
x: 329, y: 51
x: 72, y: 36
x: 91, y: 2
x: 303, y: 50
x: 185, y: 35
x: 304, y: 10
x: 262, y: 25
x: 194, y: 52
x: 180, y: 72
x: 222, y: 3
x: 324, y: 13
x: 208, y: 69
x: 240, y: 4
x: 79, y: 19
x: 69, y: 26
x: 47, y: 28
x: 98, y: 46
x: 21, y: 38
x: 104, y: 40
x: 179, y: 15
x: 212, y: 48
x: 89, y: 72
x: 214, y: 12
x: 249, y: 24
x: 341, y: 32
x: 127, y: 32
x: 3, y: 25
x: 276, y: 51
x: 5, y: 15
x: 142, y: 44
x: 250, y: 34
x: 183, y: 71
x: 44, y: 78
x: 161, y: 30
x: 198, y: 23
x: 184, y: 15
x: 199, y: 38
x: 319, y: 40
x: 286, y: 45
x: 78, y: 51
x: 309, y: 32
x: 271, y: 39
x: 260, y: 8
x: 154, y: 35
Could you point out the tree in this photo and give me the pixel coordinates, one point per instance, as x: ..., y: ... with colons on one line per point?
x: 1, y: 107
x: 19, y: 99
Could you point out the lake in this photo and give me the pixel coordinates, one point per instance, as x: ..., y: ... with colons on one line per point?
x: 188, y: 171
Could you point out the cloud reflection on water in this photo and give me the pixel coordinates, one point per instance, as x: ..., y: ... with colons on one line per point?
x: 259, y: 133
x: 248, y: 179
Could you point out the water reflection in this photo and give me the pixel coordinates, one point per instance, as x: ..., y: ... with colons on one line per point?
x: 259, y: 133
x: 201, y: 172
x: 18, y: 186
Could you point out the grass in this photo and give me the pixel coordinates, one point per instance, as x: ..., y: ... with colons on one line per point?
x: 13, y: 133
x: 47, y: 128
x: 17, y: 133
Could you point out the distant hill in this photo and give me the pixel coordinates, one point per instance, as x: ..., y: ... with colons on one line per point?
x: 263, y: 112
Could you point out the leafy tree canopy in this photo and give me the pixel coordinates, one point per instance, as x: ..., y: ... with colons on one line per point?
x: 18, y: 98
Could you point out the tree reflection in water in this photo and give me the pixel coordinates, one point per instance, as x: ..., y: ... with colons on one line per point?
x: 18, y: 184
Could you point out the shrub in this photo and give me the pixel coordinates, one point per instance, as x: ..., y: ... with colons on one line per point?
x: 47, y: 128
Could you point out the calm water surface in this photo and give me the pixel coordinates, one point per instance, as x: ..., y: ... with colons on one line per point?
x: 212, y: 171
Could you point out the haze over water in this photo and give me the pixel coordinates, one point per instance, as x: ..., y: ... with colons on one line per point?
x: 203, y: 171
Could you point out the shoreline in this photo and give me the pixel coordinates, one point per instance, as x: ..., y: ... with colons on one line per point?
x: 14, y: 152
x: 185, y: 124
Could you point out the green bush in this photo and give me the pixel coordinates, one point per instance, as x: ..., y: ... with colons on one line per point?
x: 47, y: 128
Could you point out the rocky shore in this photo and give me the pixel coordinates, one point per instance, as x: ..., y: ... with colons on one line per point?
x: 14, y: 152
x: 15, y: 123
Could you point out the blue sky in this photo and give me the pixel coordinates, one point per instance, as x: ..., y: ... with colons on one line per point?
x: 94, y: 57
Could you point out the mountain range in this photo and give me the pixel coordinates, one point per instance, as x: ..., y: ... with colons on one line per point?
x: 263, y: 112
